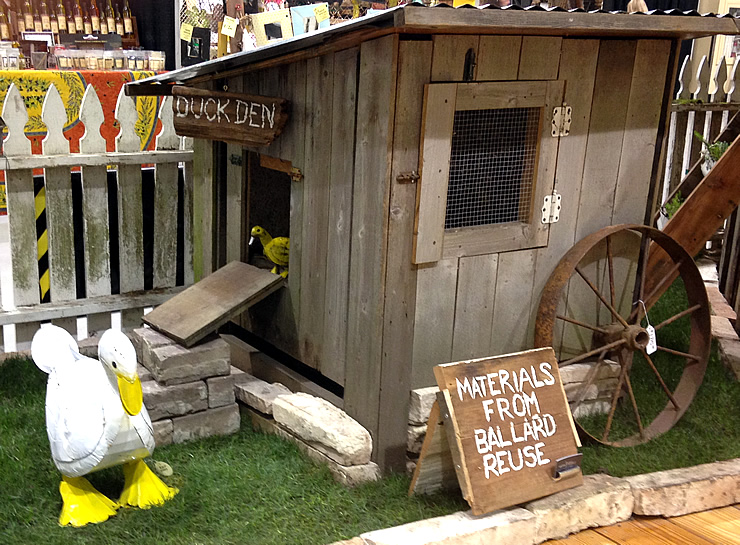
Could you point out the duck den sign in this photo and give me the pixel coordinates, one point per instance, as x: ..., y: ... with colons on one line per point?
x: 514, y: 438
x: 247, y: 120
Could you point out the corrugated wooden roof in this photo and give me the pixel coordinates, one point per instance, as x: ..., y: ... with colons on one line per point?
x: 442, y: 19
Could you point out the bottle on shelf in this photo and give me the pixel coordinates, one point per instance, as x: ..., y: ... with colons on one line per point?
x: 20, y: 19
x: 128, y: 23
x: 94, y: 16
x: 77, y: 12
x: 110, y: 18
x: 37, y: 26
x: 71, y: 22
x: 119, y: 22
x: 28, y: 15
x: 86, y: 22
x: 61, y: 17
x: 45, y: 17
x: 4, y: 25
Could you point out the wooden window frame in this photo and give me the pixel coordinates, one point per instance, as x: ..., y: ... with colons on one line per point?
x: 432, y: 241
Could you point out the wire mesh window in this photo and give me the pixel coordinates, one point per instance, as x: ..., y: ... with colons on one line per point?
x: 492, y: 166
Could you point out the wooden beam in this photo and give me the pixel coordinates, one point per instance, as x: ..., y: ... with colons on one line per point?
x: 84, y: 307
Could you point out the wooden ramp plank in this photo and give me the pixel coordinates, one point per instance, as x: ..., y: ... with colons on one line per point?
x: 699, y: 217
x: 720, y: 526
x: 210, y: 303
x: 587, y: 537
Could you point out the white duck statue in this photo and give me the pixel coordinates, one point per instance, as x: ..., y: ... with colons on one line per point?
x: 95, y: 418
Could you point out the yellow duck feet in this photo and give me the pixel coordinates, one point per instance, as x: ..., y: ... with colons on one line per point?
x: 82, y: 504
x: 142, y: 488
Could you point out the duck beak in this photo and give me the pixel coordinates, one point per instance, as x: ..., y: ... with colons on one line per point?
x: 132, y: 396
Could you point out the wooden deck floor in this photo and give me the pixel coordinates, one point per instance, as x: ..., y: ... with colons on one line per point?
x: 717, y: 527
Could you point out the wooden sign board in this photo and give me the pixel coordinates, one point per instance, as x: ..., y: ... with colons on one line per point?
x: 509, y: 424
x: 246, y: 120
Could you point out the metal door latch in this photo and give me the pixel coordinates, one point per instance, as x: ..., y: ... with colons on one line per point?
x: 561, y: 117
x: 551, y: 207
x: 408, y: 177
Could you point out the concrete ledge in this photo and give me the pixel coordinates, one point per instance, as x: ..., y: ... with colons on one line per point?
x: 601, y: 501
x: 687, y: 490
x: 509, y: 526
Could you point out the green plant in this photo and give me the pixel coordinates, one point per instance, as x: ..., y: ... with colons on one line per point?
x: 712, y: 151
x: 672, y: 206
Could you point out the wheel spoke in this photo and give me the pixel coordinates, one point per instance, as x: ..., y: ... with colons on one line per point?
x: 582, y: 324
x: 677, y: 353
x: 601, y: 297
x: 677, y: 316
x: 590, y: 353
x: 638, y: 310
x: 660, y: 379
x: 628, y: 383
x: 615, y: 398
x: 610, y: 262
x: 644, y: 254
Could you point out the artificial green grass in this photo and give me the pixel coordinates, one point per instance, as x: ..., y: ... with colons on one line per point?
x: 245, y: 488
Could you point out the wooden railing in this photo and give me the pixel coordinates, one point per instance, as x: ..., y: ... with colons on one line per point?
x: 705, y: 102
x: 107, y: 248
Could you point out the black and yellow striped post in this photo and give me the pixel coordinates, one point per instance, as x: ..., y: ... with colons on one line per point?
x: 42, y: 238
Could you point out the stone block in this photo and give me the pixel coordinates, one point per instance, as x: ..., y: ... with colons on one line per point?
x: 588, y: 408
x: 600, y: 501
x: 220, y: 421
x: 220, y: 391
x: 577, y: 372
x: 162, y: 432
x: 514, y: 526
x: 722, y: 328
x: 259, y: 394
x: 168, y: 401
x: 145, y: 339
x: 324, y: 427
x: 718, y: 303
x: 144, y: 373
x: 687, y: 490
x: 603, y: 389
x: 415, y: 438
x: 420, y: 404
x: 173, y: 364
x: 346, y: 475
x: 729, y: 351
x: 353, y: 541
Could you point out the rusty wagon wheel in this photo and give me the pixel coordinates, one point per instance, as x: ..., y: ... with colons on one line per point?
x: 596, y: 314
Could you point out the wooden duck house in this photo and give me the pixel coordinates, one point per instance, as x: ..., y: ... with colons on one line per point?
x: 434, y: 167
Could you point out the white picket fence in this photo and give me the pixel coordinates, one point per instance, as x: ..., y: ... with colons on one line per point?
x: 100, y: 309
x: 705, y: 101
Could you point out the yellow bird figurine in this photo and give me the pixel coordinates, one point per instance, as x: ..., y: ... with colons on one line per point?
x: 275, y: 249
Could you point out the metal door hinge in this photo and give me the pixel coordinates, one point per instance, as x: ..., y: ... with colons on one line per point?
x: 561, y: 117
x: 551, y: 208
x: 408, y: 177
x: 295, y: 174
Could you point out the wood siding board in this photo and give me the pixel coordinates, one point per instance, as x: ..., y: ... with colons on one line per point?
x: 376, y: 110
x: 513, y: 301
x: 603, y: 155
x: 578, y: 70
x: 316, y: 183
x: 344, y: 102
x: 415, y: 58
x: 498, y: 58
x: 640, y: 132
x: 236, y: 164
x: 188, y: 223
x: 448, y: 57
x: 438, y: 119
x: 540, y: 58
x: 476, y: 291
x: 202, y: 208
x: 436, y: 289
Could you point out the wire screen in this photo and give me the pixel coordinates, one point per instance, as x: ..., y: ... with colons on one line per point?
x: 492, y: 166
